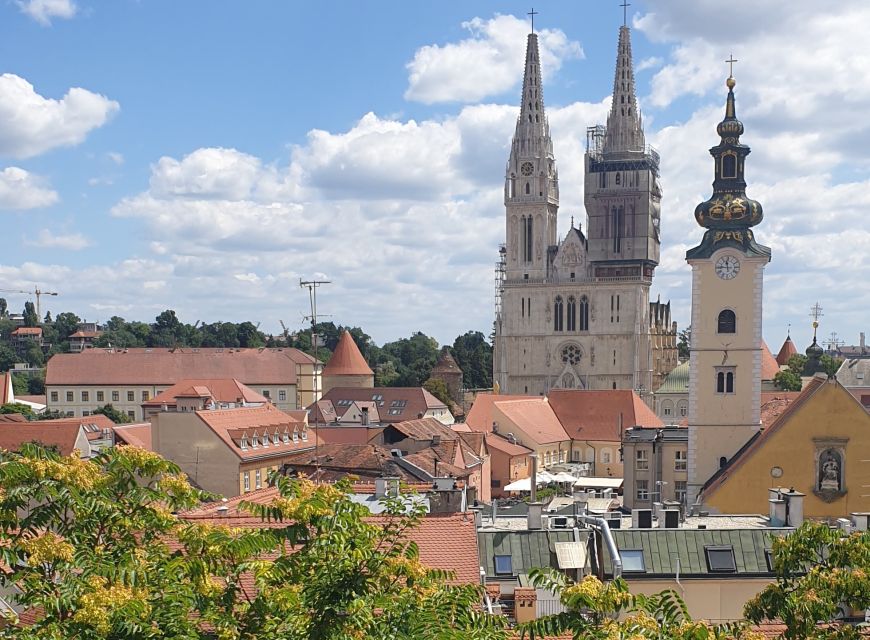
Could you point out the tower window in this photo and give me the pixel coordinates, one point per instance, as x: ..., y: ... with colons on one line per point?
x: 572, y: 313
x: 725, y: 380
x: 528, y: 187
x: 584, y: 313
x: 618, y: 178
x: 526, y: 236
x: 727, y: 322
x: 617, y: 217
x: 729, y: 166
x: 558, y: 310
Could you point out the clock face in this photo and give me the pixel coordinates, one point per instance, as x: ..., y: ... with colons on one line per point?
x: 727, y: 267
x: 527, y: 168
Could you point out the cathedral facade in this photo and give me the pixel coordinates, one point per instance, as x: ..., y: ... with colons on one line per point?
x: 575, y: 312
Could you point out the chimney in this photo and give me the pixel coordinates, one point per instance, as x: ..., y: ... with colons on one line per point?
x: 387, y: 487
x: 862, y: 342
x: 777, y: 509
x: 536, y: 510
x: 525, y: 604
x: 494, y: 509
x: 533, y: 497
x: 364, y: 417
x: 794, y: 507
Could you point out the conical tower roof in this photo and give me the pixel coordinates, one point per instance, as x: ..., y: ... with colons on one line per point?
x: 624, y: 125
x: 446, y: 363
x: 786, y: 351
x: 347, y: 360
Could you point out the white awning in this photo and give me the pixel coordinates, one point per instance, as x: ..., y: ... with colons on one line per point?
x: 563, y: 476
x: 599, y: 483
x: 571, y: 555
x: 526, y: 483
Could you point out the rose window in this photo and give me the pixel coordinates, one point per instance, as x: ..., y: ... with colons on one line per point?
x: 571, y: 354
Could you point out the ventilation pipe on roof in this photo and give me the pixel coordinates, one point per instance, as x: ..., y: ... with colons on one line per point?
x: 364, y: 417
x: 602, y: 526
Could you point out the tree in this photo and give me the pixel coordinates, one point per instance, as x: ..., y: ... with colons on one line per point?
x: 19, y: 384
x: 413, y: 357
x: 47, y: 319
x: 16, y: 407
x: 684, y: 340
x: 30, y: 317
x: 797, y: 363
x: 115, y: 415
x: 437, y: 388
x: 7, y: 357
x: 830, y: 364
x: 598, y: 610
x: 473, y: 354
x: 33, y: 355
x: 787, y: 380
x: 66, y: 324
x: 818, y: 571
x: 4, y: 307
x: 97, y: 548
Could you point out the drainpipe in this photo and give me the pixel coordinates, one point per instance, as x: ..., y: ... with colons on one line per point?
x: 677, y: 577
x: 533, y: 497
x: 486, y: 599
x: 604, y: 528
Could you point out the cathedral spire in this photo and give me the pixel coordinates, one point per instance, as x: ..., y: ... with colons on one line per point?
x: 624, y: 125
x: 532, y: 136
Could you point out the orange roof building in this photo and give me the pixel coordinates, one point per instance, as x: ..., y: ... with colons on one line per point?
x: 192, y: 395
x: 786, y: 351
x: 347, y: 367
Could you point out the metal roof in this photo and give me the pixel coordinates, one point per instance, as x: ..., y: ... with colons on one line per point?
x: 528, y: 549
x: 677, y: 380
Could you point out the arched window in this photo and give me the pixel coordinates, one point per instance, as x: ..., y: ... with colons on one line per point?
x: 584, y: 313
x: 727, y: 322
x: 617, y: 215
x: 720, y: 382
x: 723, y: 461
x: 558, y: 310
x: 729, y: 382
x: 729, y: 166
x: 618, y: 177
x: 572, y: 314
x: 528, y: 187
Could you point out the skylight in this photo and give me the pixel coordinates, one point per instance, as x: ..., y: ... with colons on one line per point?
x: 632, y: 560
x: 721, y: 559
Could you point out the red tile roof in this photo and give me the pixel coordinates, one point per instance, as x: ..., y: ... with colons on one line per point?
x: 219, y: 390
x: 242, y: 423
x: 424, y: 429
x: 59, y: 434
x: 137, y: 435
x: 447, y: 542
x: 786, y: 351
x: 94, y: 425
x: 595, y: 415
x: 769, y: 365
x: 347, y: 360
x: 394, y: 404
x: 335, y: 461
x: 535, y: 416
x: 479, y: 418
x: 86, y: 334
x: 497, y: 442
x: 27, y: 331
x: 167, y: 366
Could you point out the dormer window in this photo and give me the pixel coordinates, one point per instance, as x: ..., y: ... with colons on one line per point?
x: 295, y: 436
x: 304, y: 433
x: 244, y: 444
x: 275, y: 438
x: 286, y: 437
x: 255, y: 442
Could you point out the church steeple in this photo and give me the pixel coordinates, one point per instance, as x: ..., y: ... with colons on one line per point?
x: 729, y: 213
x: 624, y: 124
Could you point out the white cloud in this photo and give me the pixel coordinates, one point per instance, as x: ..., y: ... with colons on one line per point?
x: 48, y: 240
x: 116, y: 157
x: 44, y: 10
x: 31, y: 124
x: 649, y: 63
x: 20, y: 189
x: 486, y: 64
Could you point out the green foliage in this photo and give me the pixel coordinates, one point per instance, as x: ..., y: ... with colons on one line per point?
x: 598, y: 610
x: 473, y: 354
x: 4, y: 308
x: 19, y: 384
x: 684, y: 339
x: 787, y: 380
x: 30, y: 317
x: 96, y: 547
x: 8, y: 357
x: 115, y: 415
x: 413, y: 359
x: 438, y: 389
x: 16, y: 407
x: 818, y: 570
x: 830, y: 364
x: 66, y: 324
x: 797, y: 363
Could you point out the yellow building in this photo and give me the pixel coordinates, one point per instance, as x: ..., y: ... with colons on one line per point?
x: 820, y: 445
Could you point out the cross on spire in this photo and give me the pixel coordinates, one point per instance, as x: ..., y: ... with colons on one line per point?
x: 625, y: 5
x: 533, y: 13
x: 731, y: 62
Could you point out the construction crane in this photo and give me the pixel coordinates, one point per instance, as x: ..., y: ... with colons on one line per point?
x: 36, y: 292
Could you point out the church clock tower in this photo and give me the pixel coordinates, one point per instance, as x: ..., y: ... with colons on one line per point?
x: 726, y: 341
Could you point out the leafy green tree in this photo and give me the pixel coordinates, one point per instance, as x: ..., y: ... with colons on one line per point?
x: 438, y: 389
x: 66, y: 324
x: 684, y: 340
x: 4, y: 307
x: 30, y: 317
x: 830, y: 364
x: 115, y: 415
x: 386, y: 374
x: 249, y: 336
x: 787, y: 380
x: 19, y: 384
x: 97, y: 548
x: 473, y: 354
x: 8, y: 357
x: 47, y: 319
x: 33, y: 355
x: 413, y: 357
x: 16, y: 407
x: 36, y: 383
x: 797, y: 363
x: 605, y: 611
x: 819, y: 570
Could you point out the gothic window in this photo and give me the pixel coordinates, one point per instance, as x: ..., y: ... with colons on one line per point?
x: 617, y: 216
x: 536, y: 118
x: 727, y: 322
x: 729, y: 166
x: 725, y: 380
x: 571, y: 355
x: 528, y: 247
x: 602, y: 179
x: 618, y: 177
x: 622, y: 99
x: 572, y: 314
x: 558, y: 310
x: 522, y: 307
x: 528, y: 187
x: 584, y: 313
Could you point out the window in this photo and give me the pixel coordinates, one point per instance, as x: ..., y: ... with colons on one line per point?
x: 244, y: 444
x: 584, y: 313
x: 86, y: 413
x: 561, y: 457
x: 614, y: 308
x: 642, y: 489
x: 265, y: 393
x: 666, y: 409
x: 377, y: 397
x: 722, y: 461
x: 727, y: 322
x: 399, y: 404
x: 304, y: 434
x: 116, y: 396
x: 86, y: 396
x: 131, y: 396
x: 558, y: 320
x: 246, y: 480
x: 681, y: 460
x: 258, y: 479
x: 725, y: 380
x: 616, y: 217
x: 605, y: 456
x: 547, y: 458
x: 680, y: 490
x: 101, y: 396
x: 145, y: 396
x: 526, y: 235
x: 720, y: 559
x: 295, y: 436
x: 684, y: 408
x: 131, y: 414
x: 69, y: 396
x: 54, y: 396
x: 282, y: 395
x: 768, y: 555
x: 641, y: 458
x: 572, y: 313
x: 632, y: 560
x: 395, y: 412
x: 504, y: 565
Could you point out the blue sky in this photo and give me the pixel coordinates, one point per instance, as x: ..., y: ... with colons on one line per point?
x: 203, y: 156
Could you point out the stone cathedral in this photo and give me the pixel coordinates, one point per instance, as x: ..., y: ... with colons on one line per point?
x: 575, y: 312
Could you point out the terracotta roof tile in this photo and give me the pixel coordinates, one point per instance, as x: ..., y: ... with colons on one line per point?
x: 60, y: 434
x: 769, y: 365
x: 479, y: 418
x: 137, y: 435
x: 27, y: 331
x: 94, y: 425
x: 424, y: 429
x: 497, y: 442
x: 347, y: 360
x: 595, y: 415
x: 167, y: 366
x: 220, y: 390
x: 394, y: 404
x: 535, y: 416
x: 786, y: 351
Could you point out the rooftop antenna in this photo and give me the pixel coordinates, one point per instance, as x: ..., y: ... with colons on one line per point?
x: 312, y: 286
